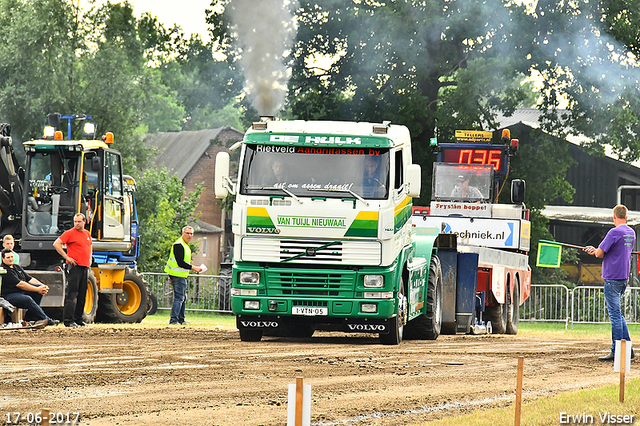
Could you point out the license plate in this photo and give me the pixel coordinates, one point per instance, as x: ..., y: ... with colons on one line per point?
x: 311, y: 311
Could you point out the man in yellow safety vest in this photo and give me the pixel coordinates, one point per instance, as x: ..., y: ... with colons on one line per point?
x: 178, y: 267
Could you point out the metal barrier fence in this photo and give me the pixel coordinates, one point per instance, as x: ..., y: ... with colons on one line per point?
x: 207, y: 293
x: 584, y: 304
x: 547, y: 302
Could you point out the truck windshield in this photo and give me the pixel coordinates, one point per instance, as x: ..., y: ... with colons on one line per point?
x: 315, y: 171
x: 457, y: 182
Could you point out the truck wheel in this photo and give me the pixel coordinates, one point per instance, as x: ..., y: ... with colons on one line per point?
x: 91, y: 302
x: 396, y: 324
x: 153, y: 304
x: 250, y: 335
x: 129, y: 306
x: 513, y: 318
x: 224, y: 289
x: 498, y: 314
x: 428, y: 325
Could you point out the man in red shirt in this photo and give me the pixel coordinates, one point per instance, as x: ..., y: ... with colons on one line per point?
x: 78, y: 256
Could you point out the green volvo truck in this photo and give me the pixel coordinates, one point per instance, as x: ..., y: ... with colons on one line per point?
x: 323, y: 232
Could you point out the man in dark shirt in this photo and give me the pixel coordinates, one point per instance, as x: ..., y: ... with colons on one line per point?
x: 22, y: 290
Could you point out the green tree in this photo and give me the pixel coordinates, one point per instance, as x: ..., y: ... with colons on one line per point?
x: 433, y: 65
x: 587, y: 53
x: 164, y: 209
x: 207, y: 88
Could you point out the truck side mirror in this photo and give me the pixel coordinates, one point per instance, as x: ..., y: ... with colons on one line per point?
x: 414, y: 180
x: 222, y: 175
x: 517, y: 191
x: 96, y: 164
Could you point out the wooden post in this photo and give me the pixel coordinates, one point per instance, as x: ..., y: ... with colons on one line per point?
x: 623, y: 367
x: 519, y: 390
x: 298, y: 401
x: 45, y: 417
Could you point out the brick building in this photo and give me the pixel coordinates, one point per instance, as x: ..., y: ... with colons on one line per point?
x: 192, y: 155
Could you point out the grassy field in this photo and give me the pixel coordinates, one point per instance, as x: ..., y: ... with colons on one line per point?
x: 195, y: 319
x: 596, y: 403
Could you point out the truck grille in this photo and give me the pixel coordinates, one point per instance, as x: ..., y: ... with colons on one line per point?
x: 310, y: 283
x: 344, y: 252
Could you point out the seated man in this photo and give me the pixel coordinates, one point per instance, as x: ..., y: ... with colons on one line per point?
x: 371, y: 180
x: 22, y: 290
x: 463, y: 190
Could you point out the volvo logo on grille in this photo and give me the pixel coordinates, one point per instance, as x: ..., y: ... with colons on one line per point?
x: 311, y: 251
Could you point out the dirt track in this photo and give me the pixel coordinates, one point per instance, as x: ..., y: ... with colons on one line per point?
x: 129, y: 375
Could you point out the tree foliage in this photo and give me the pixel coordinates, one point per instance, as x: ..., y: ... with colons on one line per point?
x: 164, y: 209
x: 587, y: 53
x: 128, y: 72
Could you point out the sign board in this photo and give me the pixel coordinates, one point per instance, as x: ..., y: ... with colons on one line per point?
x: 483, y: 232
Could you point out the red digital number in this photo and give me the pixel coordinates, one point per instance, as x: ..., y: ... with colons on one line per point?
x: 481, y: 156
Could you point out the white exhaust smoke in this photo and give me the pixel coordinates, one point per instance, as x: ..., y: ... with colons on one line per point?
x: 264, y: 30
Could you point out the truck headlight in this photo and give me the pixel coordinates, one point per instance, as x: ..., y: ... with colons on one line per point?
x: 373, y: 281
x: 252, y: 305
x: 249, y: 277
x: 369, y: 308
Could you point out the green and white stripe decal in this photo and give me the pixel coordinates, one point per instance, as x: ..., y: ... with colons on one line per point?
x: 364, y: 225
x: 259, y: 221
x: 402, y: 213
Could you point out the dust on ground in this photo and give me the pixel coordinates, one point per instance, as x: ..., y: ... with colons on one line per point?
x: 131, y: 375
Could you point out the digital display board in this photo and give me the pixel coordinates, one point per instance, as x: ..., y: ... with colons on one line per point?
x: 485, y: 156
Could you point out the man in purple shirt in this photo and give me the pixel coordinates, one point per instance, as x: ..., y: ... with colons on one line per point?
x: 615, y: 251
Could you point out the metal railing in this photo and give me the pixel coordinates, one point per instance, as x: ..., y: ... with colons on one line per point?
x: 584, y: 304
x: 547, y: 302
x: 207, y: 293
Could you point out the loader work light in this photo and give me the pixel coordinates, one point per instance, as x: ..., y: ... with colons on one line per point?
x: 89, y: 129
x: 49, y: 132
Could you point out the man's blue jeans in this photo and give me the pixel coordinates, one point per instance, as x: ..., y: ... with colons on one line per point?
x: 613, y: 291
x: 179, y: 285
x: 29, y: 300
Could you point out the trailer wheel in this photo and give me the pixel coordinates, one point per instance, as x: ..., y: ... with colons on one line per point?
x: 153, y: 304
x: 498, y: 314
x: 129, y: 306
x: 250, y: 335
x: 514, y: 318
x: 396, y: 324
x: 428, y: 325
x: 91, y: 301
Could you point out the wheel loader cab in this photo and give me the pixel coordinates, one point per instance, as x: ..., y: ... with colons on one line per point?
x: 63, y: 180
x: 51, y: 192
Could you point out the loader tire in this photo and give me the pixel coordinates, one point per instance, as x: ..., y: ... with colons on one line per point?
x: 428, y: 325
x: 91, y: 301
x: 129, y: 306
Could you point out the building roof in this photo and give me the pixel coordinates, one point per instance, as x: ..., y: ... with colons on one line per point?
x: 200, y: 227
x: 588, y: 215
x: 528, y: 116
x: 179, y: 151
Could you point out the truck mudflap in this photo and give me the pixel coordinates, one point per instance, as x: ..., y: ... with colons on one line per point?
x: 274, y: 323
